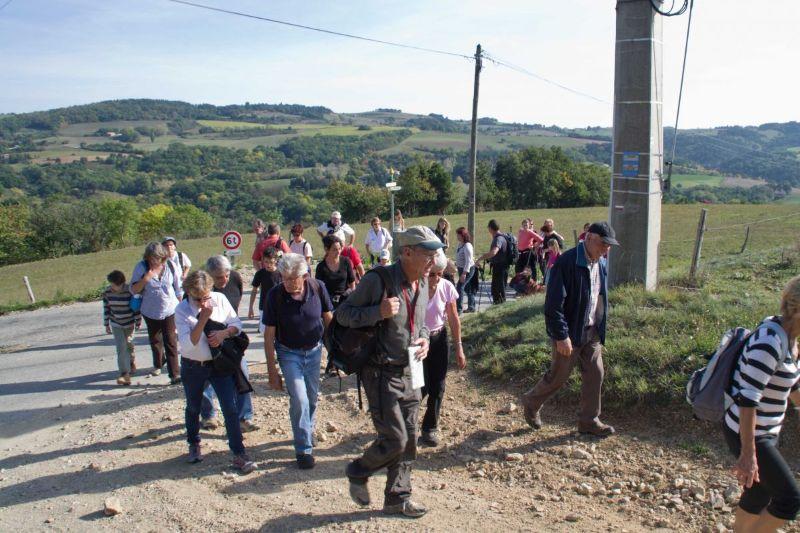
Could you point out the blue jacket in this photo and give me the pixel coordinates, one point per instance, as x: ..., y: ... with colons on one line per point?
x: 566, y: 306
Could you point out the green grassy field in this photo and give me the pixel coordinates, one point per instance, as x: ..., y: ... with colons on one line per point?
x: 693, y: 180
x: 86, y: 273
x: 458, y: 141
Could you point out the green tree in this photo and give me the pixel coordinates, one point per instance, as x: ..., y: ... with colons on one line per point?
x: 152, y: 223
x: 187, y: 221
x: 14, y: 232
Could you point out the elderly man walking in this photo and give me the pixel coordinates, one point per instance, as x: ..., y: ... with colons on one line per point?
x: 575, y: 309
x: 393, y: 403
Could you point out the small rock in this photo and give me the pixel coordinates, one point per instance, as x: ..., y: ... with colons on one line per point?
x: 330, y: 427
x: 229, y: 475
x: 661, y: 523
x: 572, y: 517
x: 684, y: 467
x: 584, y: 489
x: 130, y: 436
x: 322, y: 437
x: 94, y: 466
x: 578, y: 453
x: 508, y: 408
x: 48, y: 520
x: 479, y: 473
x: 112, y: 506
x: 167, y: 418
x: 514, y: 457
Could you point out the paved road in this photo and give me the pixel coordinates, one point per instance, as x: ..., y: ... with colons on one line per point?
x: 53, y: 358
x: 61, y: 356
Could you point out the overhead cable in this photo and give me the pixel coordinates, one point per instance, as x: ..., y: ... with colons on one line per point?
x: 680, y: 91
x: 522, y: 70
x: 322, y: 30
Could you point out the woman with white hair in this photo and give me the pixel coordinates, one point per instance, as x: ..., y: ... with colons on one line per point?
x: 229, y: 283
x: 442, y: 297
x: 295, y: 316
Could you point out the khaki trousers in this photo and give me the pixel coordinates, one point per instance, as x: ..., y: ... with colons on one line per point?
x: 589, y: 358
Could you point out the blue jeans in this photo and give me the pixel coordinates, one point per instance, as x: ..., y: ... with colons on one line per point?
x: 194, y: 377
x: 301, y: 373
x: 244, y: 402
x: 461, y: 288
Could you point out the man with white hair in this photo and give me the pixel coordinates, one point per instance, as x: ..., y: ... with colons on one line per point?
x: 335, y: 226
x: 296, y: 314
x: 399, y: 310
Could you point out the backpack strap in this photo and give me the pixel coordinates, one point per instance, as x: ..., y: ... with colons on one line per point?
x: 180, y: 260
x: 386, y: 279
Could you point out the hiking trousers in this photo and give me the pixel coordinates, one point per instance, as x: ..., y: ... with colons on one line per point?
x: 164, y: 342
x: 394, y: 408
x: 499, y: 283
x: 435, y: 367
x: 589, y: 358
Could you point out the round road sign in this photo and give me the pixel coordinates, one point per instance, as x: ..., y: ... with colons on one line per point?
x: 232, y: 240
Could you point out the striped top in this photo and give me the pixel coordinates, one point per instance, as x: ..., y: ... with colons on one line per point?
x: 117, y: 308
x: 765, y: 375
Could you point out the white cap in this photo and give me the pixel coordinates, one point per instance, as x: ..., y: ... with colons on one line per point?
x: 384, y: 254
x: 336, y: 214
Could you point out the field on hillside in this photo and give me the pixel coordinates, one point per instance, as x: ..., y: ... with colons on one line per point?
x: 86, y: 273
x: 693, y: 180
x: 459, y: 142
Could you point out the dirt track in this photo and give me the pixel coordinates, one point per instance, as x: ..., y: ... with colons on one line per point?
x: 71, y: 438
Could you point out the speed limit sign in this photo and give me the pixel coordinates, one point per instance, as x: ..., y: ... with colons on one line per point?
x: 232, y: 240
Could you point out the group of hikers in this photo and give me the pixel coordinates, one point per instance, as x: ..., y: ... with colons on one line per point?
x: 410, y: 299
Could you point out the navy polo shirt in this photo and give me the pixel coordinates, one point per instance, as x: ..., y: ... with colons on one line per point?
x: 298, y: 323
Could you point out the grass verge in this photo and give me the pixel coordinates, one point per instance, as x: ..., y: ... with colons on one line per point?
x: 654, y: 341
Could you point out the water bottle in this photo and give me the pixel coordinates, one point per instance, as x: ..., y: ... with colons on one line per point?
x: 136, y: 302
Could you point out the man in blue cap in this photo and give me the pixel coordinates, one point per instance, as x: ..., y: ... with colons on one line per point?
x: 393, y: 402
x: 575, y: 310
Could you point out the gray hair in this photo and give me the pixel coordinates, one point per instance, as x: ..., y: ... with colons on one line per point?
x: 439, y: 261
x: 155, y: 250
x: 217, y: 264
x: 293, y: 265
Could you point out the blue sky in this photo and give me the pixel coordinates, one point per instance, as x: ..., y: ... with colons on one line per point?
x: 742, y: 66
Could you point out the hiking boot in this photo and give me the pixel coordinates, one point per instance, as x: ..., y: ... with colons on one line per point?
x: 470, y: 310
x: 243, y: 463
x: 156, y: 372
x: 175, y: 381
x: 195, y: 455
x: 598, y: 430
x: 248, y: 426
x: 359, y: 491
x: 305, y: 461
x: 430, y: 437
x: 121, y: 381
x: 406, y: 508
x: 209, y: 424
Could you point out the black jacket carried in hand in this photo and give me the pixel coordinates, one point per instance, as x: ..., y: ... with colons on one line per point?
x: 228, y: 356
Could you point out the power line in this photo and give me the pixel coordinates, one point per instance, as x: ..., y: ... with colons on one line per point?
x: 743, y: 224
x: 671, y: 11
x: 522, y: 70
x: 5, y: 5
x: 680, y: 94
x: 322, y: 30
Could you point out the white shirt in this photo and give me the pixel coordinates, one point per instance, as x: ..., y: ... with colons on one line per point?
x: 187, y: 264
x: 595, y: 305
x: 377, y: 241
x: 465, y: 256
x: 303, y: 248
x: 186, y: 320
x: 343, y: 229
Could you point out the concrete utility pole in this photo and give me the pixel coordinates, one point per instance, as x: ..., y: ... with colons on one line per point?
x: 473, y: 144
x: 638, y: 143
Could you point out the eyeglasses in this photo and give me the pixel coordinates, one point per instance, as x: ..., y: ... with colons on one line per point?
x: 435, y: 275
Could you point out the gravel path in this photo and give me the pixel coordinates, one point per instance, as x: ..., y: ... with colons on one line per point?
x: 70, y: 438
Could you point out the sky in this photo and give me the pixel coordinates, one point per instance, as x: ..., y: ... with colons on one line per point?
x: 742, y: 63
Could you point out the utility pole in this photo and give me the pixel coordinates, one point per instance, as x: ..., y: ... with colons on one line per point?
x: 638, y: 145
x: 473, y: 144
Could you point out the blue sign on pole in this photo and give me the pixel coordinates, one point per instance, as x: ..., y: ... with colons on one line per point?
x: 630, y: 164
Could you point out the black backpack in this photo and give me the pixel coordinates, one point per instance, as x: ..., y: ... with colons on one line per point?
x: 349, y: 349
x: 512, y: 249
